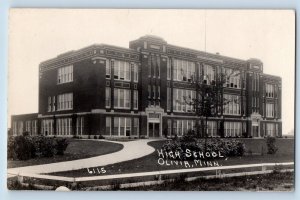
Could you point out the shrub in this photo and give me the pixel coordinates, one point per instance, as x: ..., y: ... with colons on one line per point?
x: 143, y: 136
x: 101, y: 137
x: 27, y: 147
x: 23, y: 148
x: 227, y: 147
x: 49, y: 148
x: 26, y: 133
x: 95, y: 136
x: 11, y: 153
x: 45, y: 146
x: 61, y: 145
x: 272, y: 148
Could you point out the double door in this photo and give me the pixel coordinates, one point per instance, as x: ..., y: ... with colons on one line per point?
x: 153, y: 129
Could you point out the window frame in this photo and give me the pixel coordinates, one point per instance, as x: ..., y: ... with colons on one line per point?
x: 65, y: 74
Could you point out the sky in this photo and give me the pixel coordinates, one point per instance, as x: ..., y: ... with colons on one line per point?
x: 36, y: 35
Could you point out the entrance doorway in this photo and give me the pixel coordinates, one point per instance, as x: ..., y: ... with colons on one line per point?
x: 153, y: 129
x: 255, y: 132
x: 255, y: 119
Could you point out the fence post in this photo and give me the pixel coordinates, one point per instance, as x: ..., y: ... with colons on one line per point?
x: 20, y: 178
x: 218, y: 173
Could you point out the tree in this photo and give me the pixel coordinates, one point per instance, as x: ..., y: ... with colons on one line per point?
x: 209, y: 101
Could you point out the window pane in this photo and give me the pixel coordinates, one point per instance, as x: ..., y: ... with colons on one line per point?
x: 108, y: 126
x: 116, y: 126
x: 122, y: 126
x: 107, y: 97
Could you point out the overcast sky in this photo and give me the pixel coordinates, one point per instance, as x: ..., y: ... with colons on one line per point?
x: 38, y: 35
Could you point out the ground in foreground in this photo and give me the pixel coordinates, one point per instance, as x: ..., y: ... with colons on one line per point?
x: 267, y: 182
x: 275, y: 181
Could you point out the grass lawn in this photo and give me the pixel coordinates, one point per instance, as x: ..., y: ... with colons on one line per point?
x: 77, y: 149
x: 150, y: 162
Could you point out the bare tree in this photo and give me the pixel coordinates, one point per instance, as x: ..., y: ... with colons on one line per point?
x: 209, y: 99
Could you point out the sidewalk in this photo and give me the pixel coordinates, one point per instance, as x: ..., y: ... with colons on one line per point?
x: 132, y: 150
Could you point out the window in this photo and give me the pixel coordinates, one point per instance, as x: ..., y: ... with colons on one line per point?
x: 211, y: 128
x: 122, y: 126
x: 254, y: 82
x: 149, y: 91
x: 181, y: 127
x: 107, y: 70
x: 15, y: 128
x: 128, y: 127
x: 158, y: 92
x: 79, y: 125
x: 269, y: 109
x: 122, y: 98
x: 49, y: 104
x: 28, y: 127
x: 135, y: 72
x: 149, y: 67
x: 244, y: 80
x: 135, y: 131
x: 108, y: 126
x: 183, y: 70
x: 47, y: 127
x: 121, y: 70
x: 65, y: 74
x: 169, y: 127
x: 135, y: 99
x: 183, y: 100
x: 34, y: 127
x: 208, y: 74
x: 20, y: 128
x: 153, y: 65
x: 168, y: 99
x: 53, y: 103
x: 232, y: 105
x: 275, y: 91
x: 233, y: 78
x: 158, y: 67
x: 107, y: 97
x: 168, y: 69
x: 233, y: 129
x: 64, y: 126
x: 271, y: 130
x: 65, y: 101
x: 116, y: 126
x: 257, y: 84
x: 270, y: 90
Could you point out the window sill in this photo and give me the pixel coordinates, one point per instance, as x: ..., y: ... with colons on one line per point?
x: 65, y: 109
x: 122, y: 80
x: 183, y: 111
x: 64, y: 83
x: 121, y: 108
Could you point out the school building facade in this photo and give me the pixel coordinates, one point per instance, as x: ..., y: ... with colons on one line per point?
x: 140, y: 91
